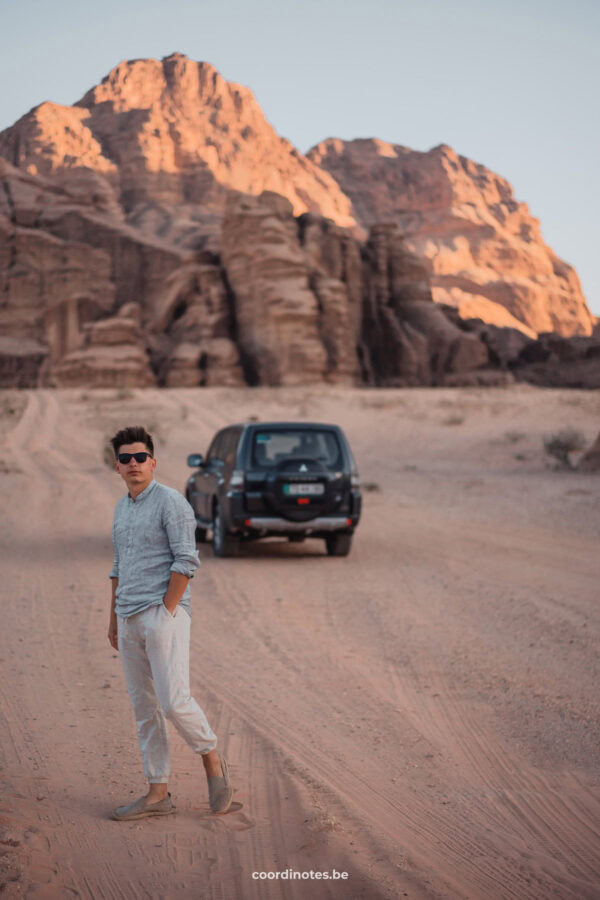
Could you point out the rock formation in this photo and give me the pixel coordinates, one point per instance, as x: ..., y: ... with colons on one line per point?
x: 310, y: 306
x: 277, y: 313
x: 21, y: 361
x: 192, y: 332
x: 111, y: 354
x: 555, y: 361
x: 548, y: 360
x: 161, y: 232
x: 483, y: 250
x: 50, y: 286
x: 409, y: 339
x: 163, y: 144
x: 295, y: 320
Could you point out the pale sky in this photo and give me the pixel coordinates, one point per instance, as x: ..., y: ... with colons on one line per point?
x: 512, y: 85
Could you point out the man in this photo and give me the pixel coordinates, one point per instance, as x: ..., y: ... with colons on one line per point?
x: 150, y: 616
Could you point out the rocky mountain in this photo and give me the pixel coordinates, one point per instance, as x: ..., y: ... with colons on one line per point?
x: 163, y: 144
x: 483, y: 250
x: 161, y: 232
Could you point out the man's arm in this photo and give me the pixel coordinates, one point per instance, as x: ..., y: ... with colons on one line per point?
x: 175, y: 591
x: 112, y: 625
x: 180, y: 525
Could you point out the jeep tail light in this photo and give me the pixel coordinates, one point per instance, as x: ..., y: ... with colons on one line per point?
x: 355, y: 480
x: 237, y: 478
x: 303, y: 500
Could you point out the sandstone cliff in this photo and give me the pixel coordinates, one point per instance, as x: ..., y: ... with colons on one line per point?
x: 290, y: 300
x: 483, y: 250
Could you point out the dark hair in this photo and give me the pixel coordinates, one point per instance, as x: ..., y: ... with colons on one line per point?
x: 134, y: 434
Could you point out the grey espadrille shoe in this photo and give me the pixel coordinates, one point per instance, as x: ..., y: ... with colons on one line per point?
x: 140, y: 809
x: 220, y: 792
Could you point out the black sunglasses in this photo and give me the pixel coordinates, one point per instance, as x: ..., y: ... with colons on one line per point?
x: 125, y: 458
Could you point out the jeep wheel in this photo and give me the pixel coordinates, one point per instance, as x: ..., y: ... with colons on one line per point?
x: 338, y: 544
x: 224, y: 544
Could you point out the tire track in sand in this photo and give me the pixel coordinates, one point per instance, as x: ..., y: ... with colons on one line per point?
x: 555, y: 820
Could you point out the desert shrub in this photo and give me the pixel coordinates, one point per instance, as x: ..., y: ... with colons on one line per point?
x: 12, y: 407
x: 563, y: 443
x: 453, y: 420
x: 124, y: 393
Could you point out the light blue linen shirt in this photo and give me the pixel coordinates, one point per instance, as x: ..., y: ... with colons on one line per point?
x: 153, y: 535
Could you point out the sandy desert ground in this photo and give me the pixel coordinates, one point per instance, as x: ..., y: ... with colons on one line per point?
x: 422, y: 714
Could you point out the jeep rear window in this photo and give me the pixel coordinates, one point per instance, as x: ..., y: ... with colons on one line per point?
x: 269, y: 448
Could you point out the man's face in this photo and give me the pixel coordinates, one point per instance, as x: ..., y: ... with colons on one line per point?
x: 136, y: 475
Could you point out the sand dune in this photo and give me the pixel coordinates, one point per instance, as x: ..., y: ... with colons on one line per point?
x: 422, y: 714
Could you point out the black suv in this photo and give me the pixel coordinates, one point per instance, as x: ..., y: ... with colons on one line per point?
x: 291, y: 479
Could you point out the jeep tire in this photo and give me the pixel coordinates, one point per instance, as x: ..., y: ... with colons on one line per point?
x: 224, y: 544
x: 338, y: 544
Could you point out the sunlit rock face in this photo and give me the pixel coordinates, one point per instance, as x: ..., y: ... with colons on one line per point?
x: 483, y: 250
x: 164, y: 143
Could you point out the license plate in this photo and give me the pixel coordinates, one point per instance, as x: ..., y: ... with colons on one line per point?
x: 295, y: 490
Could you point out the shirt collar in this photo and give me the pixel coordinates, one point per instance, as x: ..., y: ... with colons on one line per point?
x: 145, y: 492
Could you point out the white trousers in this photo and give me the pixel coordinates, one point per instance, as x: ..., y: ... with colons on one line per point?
x: 155, y: 649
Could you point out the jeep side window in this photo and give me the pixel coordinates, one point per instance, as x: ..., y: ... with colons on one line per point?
x: 226, y: 445
x: 232, y: 440
x: 216, y: 448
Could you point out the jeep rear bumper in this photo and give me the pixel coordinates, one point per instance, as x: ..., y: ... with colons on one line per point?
x: 277, y: 525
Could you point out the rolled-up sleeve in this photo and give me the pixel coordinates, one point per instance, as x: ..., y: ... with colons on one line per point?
x: 180, y: 525
x: 114, y: 572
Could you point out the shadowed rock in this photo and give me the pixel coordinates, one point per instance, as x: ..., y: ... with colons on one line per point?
x: 408, y: 339
x: 113, y: 354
